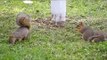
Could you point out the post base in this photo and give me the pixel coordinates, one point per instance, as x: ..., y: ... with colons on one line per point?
x: 58, y: 24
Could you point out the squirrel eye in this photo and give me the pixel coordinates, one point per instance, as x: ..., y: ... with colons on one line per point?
x: 77, y: 26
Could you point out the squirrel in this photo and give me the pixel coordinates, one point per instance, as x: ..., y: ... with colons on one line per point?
x: 23, y: 21
x: 20, y: 34
x: 88, y: 34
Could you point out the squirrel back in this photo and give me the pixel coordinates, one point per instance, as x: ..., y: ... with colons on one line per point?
x: 23, y: 20
x: 20, y: 34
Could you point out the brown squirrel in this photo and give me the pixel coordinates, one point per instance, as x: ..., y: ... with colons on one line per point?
x: 23, y: 21
x: 89, y: 34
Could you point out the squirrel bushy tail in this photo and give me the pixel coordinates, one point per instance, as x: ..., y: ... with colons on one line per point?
x: 23, y: 20
x: 105, y: 35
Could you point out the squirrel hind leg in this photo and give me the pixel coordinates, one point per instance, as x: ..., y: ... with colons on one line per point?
x: 25, y: 38
x: 97, y: 40
x: 12, y: 40
x: 19, y: 40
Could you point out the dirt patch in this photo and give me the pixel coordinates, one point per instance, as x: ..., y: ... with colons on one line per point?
x: 47, y: 22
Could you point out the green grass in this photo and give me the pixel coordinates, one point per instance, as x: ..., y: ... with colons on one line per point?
x: 53, y: 44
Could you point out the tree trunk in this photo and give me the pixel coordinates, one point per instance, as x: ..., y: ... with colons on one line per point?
x: 58, y: 11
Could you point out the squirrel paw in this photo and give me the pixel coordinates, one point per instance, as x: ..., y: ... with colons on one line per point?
x: 90, y: 38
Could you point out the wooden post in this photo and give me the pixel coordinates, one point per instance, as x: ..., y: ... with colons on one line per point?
x: 58, y: 11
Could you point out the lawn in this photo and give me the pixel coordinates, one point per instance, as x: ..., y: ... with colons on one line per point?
x: 56, y: 43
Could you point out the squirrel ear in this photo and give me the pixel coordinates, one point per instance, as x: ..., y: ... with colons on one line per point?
x: 81, y: 23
